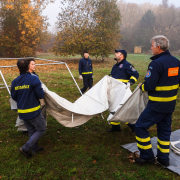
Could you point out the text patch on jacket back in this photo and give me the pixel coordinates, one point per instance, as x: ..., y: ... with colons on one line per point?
x: 173, y: 71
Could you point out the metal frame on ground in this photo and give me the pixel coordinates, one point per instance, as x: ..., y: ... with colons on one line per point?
x: 53, y: 62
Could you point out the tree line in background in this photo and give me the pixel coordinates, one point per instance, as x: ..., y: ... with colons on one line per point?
x: 141, y: 22
x: 98, y: 26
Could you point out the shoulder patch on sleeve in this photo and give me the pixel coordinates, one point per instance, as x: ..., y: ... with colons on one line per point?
x: 133, y: 69
x: 148, y: 74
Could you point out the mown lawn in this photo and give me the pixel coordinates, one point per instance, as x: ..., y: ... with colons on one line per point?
x: 87, y: 152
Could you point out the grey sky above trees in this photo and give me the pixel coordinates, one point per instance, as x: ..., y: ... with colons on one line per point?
x: 53, y: 9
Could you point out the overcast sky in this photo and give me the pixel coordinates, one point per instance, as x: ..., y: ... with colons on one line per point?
x: 52, y: 9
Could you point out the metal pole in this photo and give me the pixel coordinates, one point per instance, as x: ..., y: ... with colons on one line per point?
x: 5, y: 83
x: 73, y: 79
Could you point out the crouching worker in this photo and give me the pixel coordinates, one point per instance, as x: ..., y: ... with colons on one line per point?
x: 26, y: 90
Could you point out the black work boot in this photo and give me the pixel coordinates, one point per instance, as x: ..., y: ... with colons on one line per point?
x: 115, y: 128
x: 163, y: 162
x: 143, y: 161
x: 26, y: 153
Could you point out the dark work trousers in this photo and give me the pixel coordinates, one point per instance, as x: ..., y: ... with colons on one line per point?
x: 88, y: 82
x: 36, y: 128
x: 147, y: 119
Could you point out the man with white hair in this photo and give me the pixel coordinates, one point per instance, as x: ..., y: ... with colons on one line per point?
x: 161, y: 82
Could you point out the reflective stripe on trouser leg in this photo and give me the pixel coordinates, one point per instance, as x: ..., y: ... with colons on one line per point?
x: 115, y: 123
x: 164, y: 132
x: 145, y: 121
x: 145, y: 147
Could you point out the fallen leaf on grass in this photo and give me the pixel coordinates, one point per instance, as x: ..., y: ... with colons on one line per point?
x: 94, y: 161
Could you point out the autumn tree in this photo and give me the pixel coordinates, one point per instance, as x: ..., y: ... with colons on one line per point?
x: 23, y: 27
x: 91, y: 25
x: 107, y: 28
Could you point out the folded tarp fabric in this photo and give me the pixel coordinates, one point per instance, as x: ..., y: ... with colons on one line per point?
x: 108, y: 93
x: 131, y: 109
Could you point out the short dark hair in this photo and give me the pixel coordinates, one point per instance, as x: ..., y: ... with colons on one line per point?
x: 86, y: 52
x: 22, y: 65
x: 29, y: 60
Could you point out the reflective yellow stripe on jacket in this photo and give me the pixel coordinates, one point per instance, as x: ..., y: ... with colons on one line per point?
x: 123, y: 80
x: 143, y: 87
x: 167, y: 88
x: 132, y: 77
x: 162, y: 99
x: 86, y: 72
x: 29, y: 110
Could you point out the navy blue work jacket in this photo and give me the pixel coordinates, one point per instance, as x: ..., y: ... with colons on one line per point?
x: 162, y: 82
x: 125, y: 72
x: 26, y: 90
x: 85, y: 67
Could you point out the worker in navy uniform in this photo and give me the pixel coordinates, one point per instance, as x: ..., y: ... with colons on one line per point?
x: 162, y: 83
x: 26, y: 90
x: 85, y: 72
x: 126, y: 73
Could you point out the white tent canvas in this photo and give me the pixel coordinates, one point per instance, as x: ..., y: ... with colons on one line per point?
x: 106, y: 94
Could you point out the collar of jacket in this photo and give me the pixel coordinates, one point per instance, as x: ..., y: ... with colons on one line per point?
x: 121, y: 62
x: 21, y: 73
x: 161, y: 54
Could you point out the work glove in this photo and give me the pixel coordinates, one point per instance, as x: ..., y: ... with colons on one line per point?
x: 128, y: 85
x: 80, y: 77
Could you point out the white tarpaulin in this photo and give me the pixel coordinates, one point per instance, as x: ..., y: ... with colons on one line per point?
x: 132, y: 108
x: 108, y: 93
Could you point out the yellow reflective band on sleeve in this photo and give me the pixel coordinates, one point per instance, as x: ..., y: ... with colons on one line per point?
x: 123, y: 80
x: 86, y: 72
x: 126, y: 123
x: 144, y: 147
x: 163, y: 150
x: 143, y: 139
x: 142, y: 87
x: 166, y: 143
x: 163, y: 99
x: 132, y: 77
x: 167, y: 88
x: 115, y: 123
x: 29, y: 110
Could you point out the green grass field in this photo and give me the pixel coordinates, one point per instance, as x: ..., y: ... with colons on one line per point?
x: 87, y: 152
